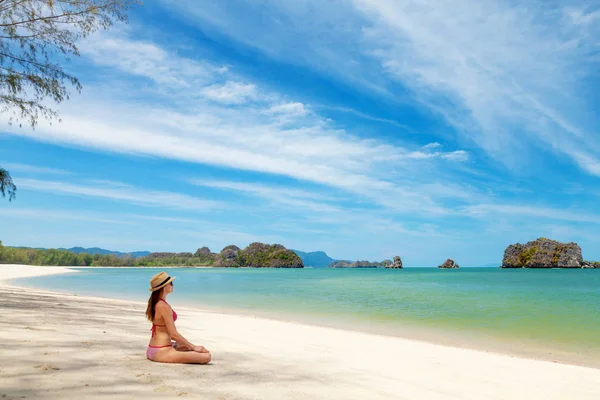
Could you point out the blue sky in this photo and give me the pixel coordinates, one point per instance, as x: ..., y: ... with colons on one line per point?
x: 364, y: 128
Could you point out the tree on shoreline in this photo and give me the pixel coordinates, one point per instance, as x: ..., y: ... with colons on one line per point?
x: 36, y: 36
x: 6, y: 185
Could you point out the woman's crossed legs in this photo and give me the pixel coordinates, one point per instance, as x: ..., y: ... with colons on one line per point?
x: 170, y: 355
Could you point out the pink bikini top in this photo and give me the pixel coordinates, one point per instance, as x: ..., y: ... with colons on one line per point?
x: 153, y: 330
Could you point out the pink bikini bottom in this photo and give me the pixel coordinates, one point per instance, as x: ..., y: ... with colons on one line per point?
x: 152, y: 350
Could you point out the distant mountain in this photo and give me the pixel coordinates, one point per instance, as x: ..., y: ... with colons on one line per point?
x: 97, y: 250
x: 315, y: 259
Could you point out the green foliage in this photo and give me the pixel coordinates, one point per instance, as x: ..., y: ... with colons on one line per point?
x: 526, y: 255
x: 557, y: 252
x: 255, y: 255
x: 16, y: 255
x: 175, y: 259
x: 6, y: 185
x: 259, y: 255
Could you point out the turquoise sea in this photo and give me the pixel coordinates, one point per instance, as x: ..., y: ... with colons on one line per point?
x: 549, y: 314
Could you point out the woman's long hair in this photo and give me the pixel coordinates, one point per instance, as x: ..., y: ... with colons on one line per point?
x: 154, y: 298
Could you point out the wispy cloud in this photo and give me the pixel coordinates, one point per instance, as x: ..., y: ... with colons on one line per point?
x: 148, y: 60
x: 26, y: 168
x: 231, y: 92
x: 583, y: 16
x: 294, y: 109
x: 32, y: 213
x: 432, y: 145
x: 404, y: 127
x: 458, y: 155
x: 299, y: 144
x: 126, y: 193
x: 531, y: 212
x: 510, y: 77
x: 227, y: 237
x: 298, y: 199
x: 508, y: 73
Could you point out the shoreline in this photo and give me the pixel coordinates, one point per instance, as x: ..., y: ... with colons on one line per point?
x: 355, y: 364
x: 481, y: 342
x: 488, y: 344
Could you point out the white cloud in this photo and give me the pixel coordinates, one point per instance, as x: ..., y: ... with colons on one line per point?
x: 458, y: 155
x: 224, y: 237
x: 126, y: 193
x: 404, y: 127
x: 588, y: 163
x: 315, y: 154
x: 37, y: 214
x: 531, y: 212
x: 12, y: 167
x: 432, y: 145
x: 231, y: 92
x: 289, y: 109
x: 297, y: 199
x: 579, y: 16
x: 146, y: 59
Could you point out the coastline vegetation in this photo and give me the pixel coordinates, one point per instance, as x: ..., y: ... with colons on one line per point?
x: 256, y: 255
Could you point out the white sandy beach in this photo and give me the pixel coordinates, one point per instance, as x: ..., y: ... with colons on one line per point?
x: 71, y: 347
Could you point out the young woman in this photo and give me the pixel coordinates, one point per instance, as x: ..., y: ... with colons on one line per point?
x: 159, y: 312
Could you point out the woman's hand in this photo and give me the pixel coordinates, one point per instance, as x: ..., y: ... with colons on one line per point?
x: 201, y: 349
x: 182, y: 347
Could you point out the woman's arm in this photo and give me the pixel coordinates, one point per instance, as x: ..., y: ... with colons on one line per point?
x: 167, y: 314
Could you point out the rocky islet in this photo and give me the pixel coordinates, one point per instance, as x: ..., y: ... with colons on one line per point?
x: 545, y: 253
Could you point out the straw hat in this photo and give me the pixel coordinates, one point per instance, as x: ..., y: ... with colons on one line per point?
x: 159, y: 281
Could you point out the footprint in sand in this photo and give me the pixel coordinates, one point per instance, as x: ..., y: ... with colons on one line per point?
x: 164, y: 389
x: 147, y: 378
x: 47, y: 367
x: 188, y: 372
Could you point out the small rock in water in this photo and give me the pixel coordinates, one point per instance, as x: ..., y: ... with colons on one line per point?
x: 449, y: 263
x: 397, y: 264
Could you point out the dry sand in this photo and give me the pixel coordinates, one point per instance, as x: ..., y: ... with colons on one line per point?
x: 71, y: 347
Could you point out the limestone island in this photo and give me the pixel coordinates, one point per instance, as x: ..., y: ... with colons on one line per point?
x: 256, y: 255
x: 448, y: 264
x: 545, y: 253
x: 355, y: 264
x: 397, y: 263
